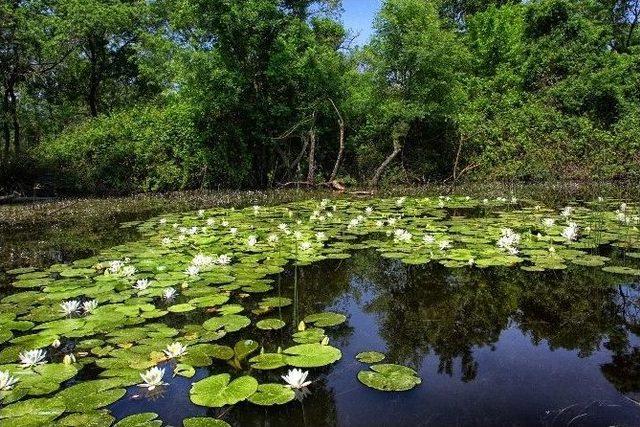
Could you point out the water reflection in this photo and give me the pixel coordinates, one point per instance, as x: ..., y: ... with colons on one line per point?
x: 494, y: 347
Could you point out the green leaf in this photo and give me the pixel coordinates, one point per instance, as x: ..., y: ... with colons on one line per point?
x: 145, y: 419
x: 325, y: 319
x: 389, y: 377
x: 370, y: 357
x: 270, y: 324
x: 311, y: 355
x: 204, y: 422
x: 216, y: 391
x: 272, y: 394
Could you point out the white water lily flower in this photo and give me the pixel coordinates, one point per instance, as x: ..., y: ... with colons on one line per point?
x: 272, y: 238
x: 509, y: 241
x: 175, y: 349
x: 32, y: 358
x: 89, y: 306
x: 428, y: 239
x: 7, y: 381
x: 163, y: 221
x: 115, y: 267
x: 152, y: 378
x: 223, y: 260
x: 368, y: 210
x: 402, y: 235
x: 201, y: 212
x: 166, y: 241
x: 441, y: 204
x: 129, y: 271
x: 296, y: 379
x: 485, y: 201
x: 252, y: 240
x: 210, y: 221
x: 623, y: 207
x: 169, y: 294
x: 571, y: 231
x: 548, y: 222
x: 70, y: 307
x: 141, y: 284
x: 400, y: 201
x: 471, y: 262
x: 256, y: 208
x: 566, y: 212
x: 283, y: 227
x: 233, y: 230
x: 391, y: 221
x: 297, y: 235
x: 321, y: 236
x: 192, y: 271
x: 224, y: 223
x: 56, y: 343
x: 305, y: 246
x: 379, y: 223
x: 192, y: 230
x: 201, y: 260
x: 514, y: 200
x: 445, y: 244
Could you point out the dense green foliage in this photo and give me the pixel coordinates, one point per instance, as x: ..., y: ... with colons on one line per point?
x: 128, y: 95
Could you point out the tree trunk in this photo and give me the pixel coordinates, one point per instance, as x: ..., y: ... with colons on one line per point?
x: 336, y: 167
x: 397, y: 147
x: 93, y: 96
x: 14, y: 119
x: 312, y: 156
x: 6, y: 131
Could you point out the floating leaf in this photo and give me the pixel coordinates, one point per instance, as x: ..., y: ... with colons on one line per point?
x: 270, y: 324
x: 228, y: 322
x: 370, y: 357
x: 266, y: 361
x: 325, y: 319
x: 389, y: 377
x: 311, y: 355
x: 216, y: 391
x: 145, y: 419
x: 272, y: 394
x: 204, y: 422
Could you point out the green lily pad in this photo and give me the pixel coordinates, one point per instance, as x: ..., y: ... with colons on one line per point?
x: 272, y: 394
x: 311, y: 355
x: 270, y: 324
x: 217, y: 391
x: 370, y: 357
x: 267, y: 361
x: 145, y: 419
x: 204, y: 422
x: 389, y: 377
x: 228, y: 322
x: 323, y: 320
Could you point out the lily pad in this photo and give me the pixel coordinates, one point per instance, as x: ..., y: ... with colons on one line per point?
x: 270, y: 324
x: 323, y: 320
x: 370, y: 357
x: 272, y: 394
x: 389, y: 377
x: 217, y: 391
x: 311, y: 355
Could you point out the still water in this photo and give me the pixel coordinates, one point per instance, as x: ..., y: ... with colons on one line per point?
x: 493, y: 347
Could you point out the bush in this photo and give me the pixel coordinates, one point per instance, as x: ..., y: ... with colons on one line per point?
x: 143, y: 149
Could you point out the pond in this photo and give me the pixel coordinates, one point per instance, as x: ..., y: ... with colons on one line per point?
x: 400, y: 311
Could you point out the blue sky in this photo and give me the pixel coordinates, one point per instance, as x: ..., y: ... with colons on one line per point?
x: 358, y: 17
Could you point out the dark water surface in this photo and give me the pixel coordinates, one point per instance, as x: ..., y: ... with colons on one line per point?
x: 493, y: 347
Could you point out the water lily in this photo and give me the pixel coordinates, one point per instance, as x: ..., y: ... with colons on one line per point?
x: 69, y: 359
x: 509, y: 240
x: 571, y: 231
x: 402, y: 235
x: 89, y: 306
x: 321, y: 236
x: 223, y: 260
x: 166, y: 241
x: 400, y: 201
x: 152, y: 378
x: 252, y: 240
x: 202, y: 260
x: 7, y: 381
x: 201, y: 213
x: 115, y: 267
x: 32, y: 358
x: 224, y: 223
x: 283, y: 227
x: 192, y: 271
x: 548, y: 222
x: 428, y: 239
x: 56, y: 343
x: 169, y: 294
x: 175, y: 349
x: 379, y: 223
x: 296, y: 379
x: 445, y: 244
x: 129, y: 271
x: 70, y: 307
x: 141, y: 284
x: 233, y: 230
x: 272, y: 238
x: 305, y: 246
x: 210, y: 221
x: 368, y: 210
x: 566, y: 212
